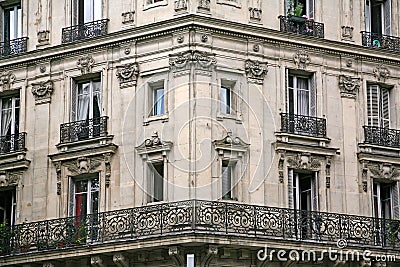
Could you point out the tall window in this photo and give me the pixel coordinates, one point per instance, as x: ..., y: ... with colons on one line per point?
x: 85, y: 196
x: 226, y: 99
x: 12, y: 23
x: 386, y: 200
x: 228, y: 170
x: 308, y: 6
x: 378, y: 16
x: 9, y: 119
x: 301, y: 95
x: 303, y: 190
x: 378, y: 105
x: 86, y: 11
x: 7, y: 206
x: 158, y: 101
x: 156, y: 186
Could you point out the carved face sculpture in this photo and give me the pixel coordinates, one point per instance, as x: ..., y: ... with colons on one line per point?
x: 3, y: 180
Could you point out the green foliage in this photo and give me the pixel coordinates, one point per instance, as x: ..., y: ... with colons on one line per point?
x: 298, y: 11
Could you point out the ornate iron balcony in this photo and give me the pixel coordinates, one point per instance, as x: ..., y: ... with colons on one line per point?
x: 303, y: 125
x: 13, y: 47
x: 381, y: 41
x: 199, y: 217
x: 83, y: 130
x: 381, y: 136
x: 12, y: 143
x: 84, y: 31
x: 301, y: 26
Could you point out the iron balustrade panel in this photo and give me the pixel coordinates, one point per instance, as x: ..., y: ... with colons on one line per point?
x: 198, y: 216
x: 381, y: 136
x: 381, y: 41
x: 85, y: 31
x: 12, y: 143
x: 83, y: 130
x: 303, y: 125
x: 13, y: 47
x: 302, y: 26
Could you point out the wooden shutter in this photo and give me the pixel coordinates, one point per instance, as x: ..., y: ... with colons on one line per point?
x: 373, y: 105
x: 74, y: 89
x: 313, y: 97
x: 314, y: 192
x: 395, y: 201
x: 387, y: 18
x: 291, y: 189
x: 310, y: 8
x: 385, y: 108
x: 368, y: 15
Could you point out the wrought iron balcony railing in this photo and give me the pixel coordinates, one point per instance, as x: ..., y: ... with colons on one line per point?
x: 301, y: 26
x: 12, y: 143
x: 85, y: 31
x: 199, y: 217
x: 13, y: 47
x: 83, y: 130
x: 381, y: 41
x: 381, y: 136
x: 303, y: 125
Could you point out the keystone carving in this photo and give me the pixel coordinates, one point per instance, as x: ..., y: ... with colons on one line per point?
x: 304, y: 161
x: 255, y: 13
x: 204, y: 5
x: 176, y: 256
x: 384, y: 171
x: 42, y: 92
x: 211, y: 252
x: 381, y: 73
x: 202, y: 59
x: 301, y: 59
x: 120, y: 260
x: 84, y: 165
x: 154, y: 144
x: 85, y: 64
x: 97, y: 261
x: 8, y: 179
x: 127, y: 74
x: 128, y: 17
x: 7, y: 79
x: 255, y: 71
x: 180, y: 5
x: 348, y: 86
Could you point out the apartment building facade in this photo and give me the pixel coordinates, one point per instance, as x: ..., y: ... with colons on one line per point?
x: 199, y: 132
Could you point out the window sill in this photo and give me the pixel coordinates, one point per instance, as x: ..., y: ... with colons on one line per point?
x: 154, y: 5
x: 163, y: 118
x: 223, y: 116
x: 229, y: 3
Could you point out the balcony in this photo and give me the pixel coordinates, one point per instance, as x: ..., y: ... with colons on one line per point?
x: 374, y: 135
x: 381, y: 41
x: 199, y: 217
x: 84, y: 31
x: 303, y: 125
x: 12, y: 143
x: 83, y: 130
x: 13, y: 47
x: 303, y: 26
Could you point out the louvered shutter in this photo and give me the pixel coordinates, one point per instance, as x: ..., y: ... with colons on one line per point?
x: 367, y: 16
x: 373, y: 105
x: 314, y: 192
x: 387, y: 18
x: 291, y: 189
x: 74, y: 89
x: 313, y: 97
x: 395, y: 201
x: 310, y: 8
x: 385, y: 105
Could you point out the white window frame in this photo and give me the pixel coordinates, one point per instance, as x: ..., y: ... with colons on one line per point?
x: 92, y: 11
x: 150, y: 101
x: 310, y: 7
x: 234, y: 106
x: 13, y: 108
x: 15, y: 26
x: 75, y: 97
x: 386, y: 16
x: 380, y: 119
x: 13, y: 205
x: 228, y: 179
x: 294, y: 194
x: 312, y: 98
x: 152, y: 180
x: 89, y: 206
x: 148, y: 4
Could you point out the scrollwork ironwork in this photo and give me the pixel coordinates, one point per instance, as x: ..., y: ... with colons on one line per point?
x: 303, y: 125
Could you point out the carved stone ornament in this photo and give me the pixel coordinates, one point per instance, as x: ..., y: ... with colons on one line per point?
x: 347, y: 33
x: 348, y: 86
x: 7, y: 79
x: 202, y: 60
x: 42, y: 92
x: 176, y: 256
x: 384, y: 171
x: 301, y: 59
x: 304, y: 161
x: 58, y: 171
x: 381, y: 73
x: 255, y: 13
x: 128, y: 17
x: 127, y: 74
x: 85, y: 64
x: 154, y: 144
x: 180, y: 5
x: 120, y: 260
x: 255, y: 71
x: 231, y: 143
x: 211, y: 253
x: 84, y: 165
x: 107, y: 163
x: 8, y: 179
x: 43, y: 37
x: 365, y: 263
x: 204, y: 5
x: 281, y: 167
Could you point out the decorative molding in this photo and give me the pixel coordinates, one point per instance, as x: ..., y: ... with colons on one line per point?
x: 97, y: 261
x: 107, y: 162
x: 128, y: 17
x: 364, y: 177
x: 211, y: 253
x: 120, y: 260
x: 85, y: 64
x: 42, y: 92
x: 127, y: 74
x: 180, y: 39
x: 204, y: 38
x: 176, y: 256
x: 281, y: 162
x: 301, y: 59
x: 385, y: 171
x: 58, y: 172
x: 180, y: 5
x: 255, y: 14
x: 43, y: 37
x: 83, y: 165
x: 347, y: 33
x: 381, y: 73
x: 48, y: 264
x: 256, y: 48
x: 230, y: 143
x: 234, y: 3
x: 154, y: 145
x: 8, y: 179
x: 339, y: 263
x: 349, y: 86
x: 7, y: 79
x: 204, y: 5
x: 256, y: 71
x: 365, y: 263
x: 328, y: 172
x: 202, y: 60
x: 304, y: 161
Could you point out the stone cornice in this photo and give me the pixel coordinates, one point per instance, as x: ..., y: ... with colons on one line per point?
x: 204, y: 23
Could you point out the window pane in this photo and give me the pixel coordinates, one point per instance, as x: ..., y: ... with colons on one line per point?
x: 158, y: 101
x: 225, y: 100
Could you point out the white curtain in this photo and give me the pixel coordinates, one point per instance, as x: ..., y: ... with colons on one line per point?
x: 83, y: 103
x: 159, y: 98
x: 302, y: 97
x: 6, y: 116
